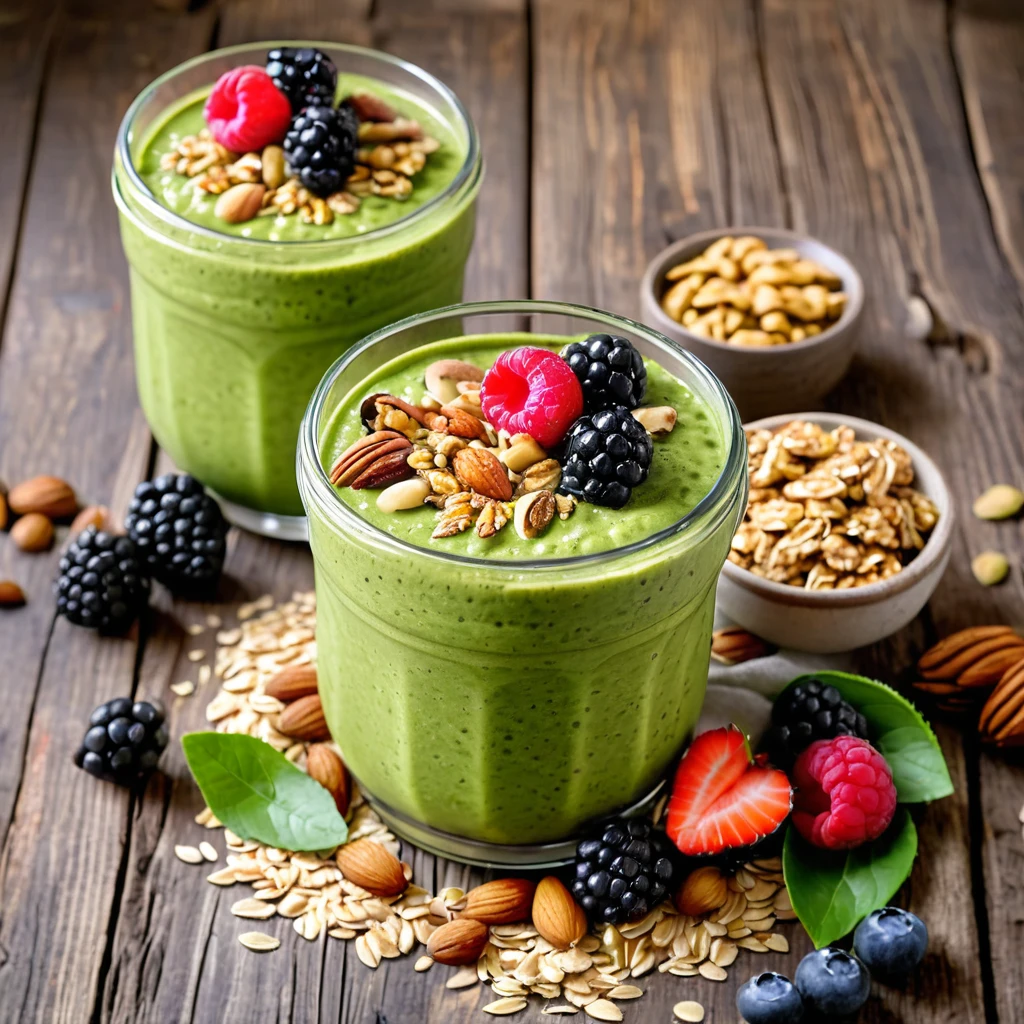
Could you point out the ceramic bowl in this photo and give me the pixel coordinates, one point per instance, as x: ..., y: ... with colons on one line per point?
x: 829, y: 621
x: 764, y: 381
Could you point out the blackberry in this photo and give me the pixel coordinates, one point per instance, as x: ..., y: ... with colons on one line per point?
x: 306, y: 76
x: 321, y: 147
x: 623, y: 873
x: 124, y: 741
x: 102, y: 583
x: 808, y: 712
x: 607, y: 454
x: 179, y: 531
x: 610, y: 371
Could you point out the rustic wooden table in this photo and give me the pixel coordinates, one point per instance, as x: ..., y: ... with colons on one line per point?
x: 889, y: 128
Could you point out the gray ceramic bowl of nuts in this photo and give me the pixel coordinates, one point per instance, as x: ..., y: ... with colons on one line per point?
x: 774, y: 314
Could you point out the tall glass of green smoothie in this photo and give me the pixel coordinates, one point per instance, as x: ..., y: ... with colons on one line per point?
x: 238, y: 311
x: 497, y: 683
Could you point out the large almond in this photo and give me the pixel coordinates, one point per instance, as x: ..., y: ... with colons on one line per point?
x: 3, y: 511
x: 240, y: 203
x: 503, y: 901
x: 303, y: 719
x: 48, y: 495
x: 478, y: 470
x: 32, y: 532
x: 92, y: 515
x: 458, y: 942
x: 292, y: 683
x: 463, y: 424
x: 372, y: 866
x: 11, y: 595
x: 327, y: 768
x: 556, y: 915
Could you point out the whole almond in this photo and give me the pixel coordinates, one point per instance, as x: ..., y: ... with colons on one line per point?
x: 48, y: 495
x: 703, y: 891
x: 3, y: 511
x: 11, y: 595
x: 462, y: 423
x: 32, y: 532
x: 91, y: 515
x: 272, y: 166
x: 556, y: 915
x: 372, y: 866
x: 303, y: 719
x: 458, y: 942
x: 478, y: 470
x: 503, y: 901
x: 240, y: 203
x: 292, y: 683
x: 327, y: 768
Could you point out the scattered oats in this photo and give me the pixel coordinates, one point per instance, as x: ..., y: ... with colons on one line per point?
x: 560, y: 1008
x: 753, y: 944
x: 689, y: 1011
x: 366, y: 954
x: 506, y: 1006
x: 229, y: 637
x: 189, y: 854
x: 259, y: 942
x: 205, y: 672
x: 625, y: 992
x: 213, y: 621
x: 196, y: 655
x: 712, y: 971
x: 462, y: 978
x: 224, y: 876
x: 208, y: 851
x: 777, y: 942
x: 253, y: 908
x: 195, y: 628
x: 602, y: 1009
x: 184, y: 689
x: 424, y: 963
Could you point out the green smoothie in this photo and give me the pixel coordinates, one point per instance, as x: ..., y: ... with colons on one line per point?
x: 508, y: 690
x: 234, y: 324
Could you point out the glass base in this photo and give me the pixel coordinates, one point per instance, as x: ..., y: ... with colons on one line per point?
x: 265, y: 523
x: 495, y: 855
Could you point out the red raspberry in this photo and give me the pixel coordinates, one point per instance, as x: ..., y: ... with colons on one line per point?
x: 246, y: 111
x: 845, y: 795
x: 532, y: 391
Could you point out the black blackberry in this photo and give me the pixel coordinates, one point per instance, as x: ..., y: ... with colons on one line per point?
x: 306, y: 76
x: 607, y: 454
x: 610, y: 371
x: 623, y: 873
x: 102, y: 583
x: 179, y: 531
x: 321, y: 147
x: 124, y: 741
x: 808, y: 712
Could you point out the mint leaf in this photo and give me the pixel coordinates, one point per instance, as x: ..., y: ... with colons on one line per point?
x: 899, y: 732
x: 259, y: 794
x: 832, y: 891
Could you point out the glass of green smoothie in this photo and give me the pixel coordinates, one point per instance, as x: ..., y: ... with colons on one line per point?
x: 236, y: 322
x: 493, y: 695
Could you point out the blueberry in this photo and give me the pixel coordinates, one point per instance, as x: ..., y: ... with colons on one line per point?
x: 891, y: 941
x: 769, y: 998
x: 833, y: 982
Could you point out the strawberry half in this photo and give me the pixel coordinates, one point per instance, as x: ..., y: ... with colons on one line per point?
x: 721, y: 799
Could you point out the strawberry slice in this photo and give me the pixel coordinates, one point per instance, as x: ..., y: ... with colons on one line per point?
x: 721, y: 799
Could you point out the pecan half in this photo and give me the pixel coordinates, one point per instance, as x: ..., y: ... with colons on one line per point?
x: 362, y: 456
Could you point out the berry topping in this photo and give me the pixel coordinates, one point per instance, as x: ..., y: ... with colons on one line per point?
x: 610, y: 371
x: 891, y: 941
x: 722, y: 800
x: 769, y: 998
x: 246, y: 111
x: 844, y: 793
x: 124, y: 741
x: 306, y: 76
x: 179, y: 530
x: 531, y: 391
x: 321, y: 147
x: 808, y: 712
x: 607, y: 454
x: 832, y: 982
x: 102, y: 583
x: 623, y: 873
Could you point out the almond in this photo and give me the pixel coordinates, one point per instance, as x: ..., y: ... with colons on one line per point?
x: 556, y: 915
x: 303, y: 719
x: 463, y: 424
x: 327, y: 768
x: 292, y: 683
x: 11, y: 595
x: 91, y: 515
x: 703, y: 891
x: 3, y: 511
x: 240, y: 203
x: 372, y: 866
x: 32, y: 532
x: 503, y: 901
x: 478, y: 470
x: 443, y: 377
x: 48, y: 495
x: 458, y: 942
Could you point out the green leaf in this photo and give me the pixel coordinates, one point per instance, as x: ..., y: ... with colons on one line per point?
x: 900, y: 733
x: 259, y: 794
x: 831, y: 892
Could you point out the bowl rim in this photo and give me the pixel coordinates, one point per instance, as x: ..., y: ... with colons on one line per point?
x: 931, y: 554
x: 654, y: 276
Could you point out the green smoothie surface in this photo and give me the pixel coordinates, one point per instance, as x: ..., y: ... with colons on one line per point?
x: 685, y: 466
x: 180, y: 194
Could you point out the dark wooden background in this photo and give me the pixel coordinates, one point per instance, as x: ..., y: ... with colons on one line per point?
x: 890, y: 128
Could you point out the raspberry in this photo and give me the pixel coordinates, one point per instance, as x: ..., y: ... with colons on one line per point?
x: 845, y: 795
x: 246, y: 111
x: 532, y: 391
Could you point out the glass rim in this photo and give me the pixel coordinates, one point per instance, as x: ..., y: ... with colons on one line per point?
x: 311, y: 472
x: 153, y: 206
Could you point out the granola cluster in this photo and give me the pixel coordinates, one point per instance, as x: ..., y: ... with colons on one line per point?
x: 828, y: 511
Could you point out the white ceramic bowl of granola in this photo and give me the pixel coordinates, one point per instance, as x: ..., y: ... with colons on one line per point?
x: 830, y: 621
